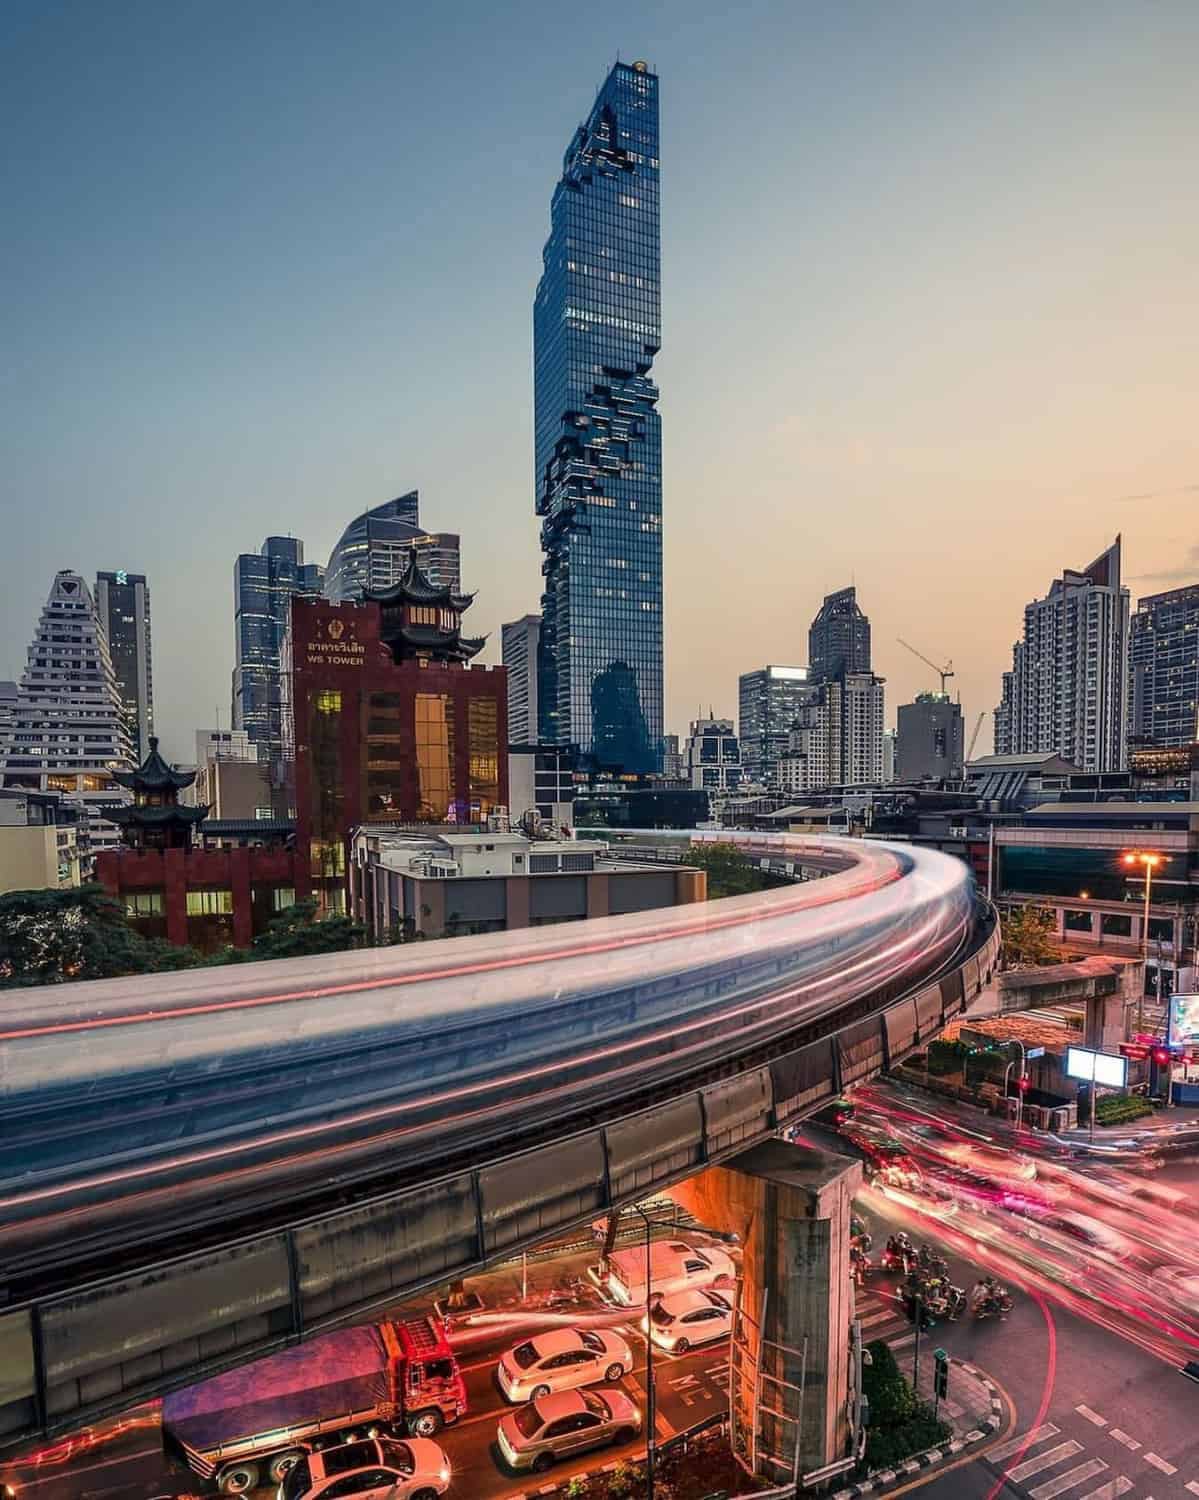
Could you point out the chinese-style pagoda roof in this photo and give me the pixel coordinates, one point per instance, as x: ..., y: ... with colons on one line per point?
x: 141, y: 816
x: 415, y: 587
x: 154, y: 774
x: 425, y: 640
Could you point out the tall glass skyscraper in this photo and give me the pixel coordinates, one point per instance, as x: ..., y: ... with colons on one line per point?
x: 598, y: 442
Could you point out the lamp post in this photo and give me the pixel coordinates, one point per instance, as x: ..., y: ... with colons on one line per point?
x: 1149, y: 863
x: 650, y: 1395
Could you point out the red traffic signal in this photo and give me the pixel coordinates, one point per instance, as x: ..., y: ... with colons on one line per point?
x: 1023, y: 1084
x: 1161, y: 1056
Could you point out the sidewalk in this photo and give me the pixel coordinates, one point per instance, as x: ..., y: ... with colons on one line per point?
x: 974, y: 1409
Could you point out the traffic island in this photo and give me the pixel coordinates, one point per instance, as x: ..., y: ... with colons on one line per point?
x: 972, y: 1412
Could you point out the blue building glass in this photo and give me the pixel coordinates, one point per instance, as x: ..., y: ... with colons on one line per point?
x: 264, y: 584
x: 598, y: 442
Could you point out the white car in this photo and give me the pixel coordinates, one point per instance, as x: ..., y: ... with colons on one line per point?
x: 376, y: 1469
x: 561, y: 1359
x: 674, y: 1266
x: 684, y: 1319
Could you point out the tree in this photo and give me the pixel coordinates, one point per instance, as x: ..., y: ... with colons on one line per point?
x: 729, y: 872
x: 1028, y: 938
x: 50, y: 936
x: 299, y: 931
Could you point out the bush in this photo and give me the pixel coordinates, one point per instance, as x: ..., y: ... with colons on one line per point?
x: 900, y: 1423
x: 1117, y: 1109
x: 946, y: 1057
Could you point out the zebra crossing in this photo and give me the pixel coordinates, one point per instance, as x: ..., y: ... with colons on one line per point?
x: 877, y: 1308
x: 1050, y: 1463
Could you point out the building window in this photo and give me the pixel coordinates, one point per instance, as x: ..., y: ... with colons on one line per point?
x: 327, y: 702
x: 434, y: 755
x: 327, y: 858
x: 484, y: 755
x: 143, y: 904
x: 282, y: 897
x: 1080, y: 921
x: 1115, y: 924
x: 209, y: 903
x: 1161, y: 929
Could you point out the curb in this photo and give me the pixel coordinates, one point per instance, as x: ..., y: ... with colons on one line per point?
x: 878, y: 1482
x: 555, y: 1488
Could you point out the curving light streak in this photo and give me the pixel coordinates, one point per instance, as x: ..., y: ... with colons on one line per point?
x: 887, y: 913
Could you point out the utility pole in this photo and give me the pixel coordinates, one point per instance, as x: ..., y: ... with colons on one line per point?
x: 651, y: 1404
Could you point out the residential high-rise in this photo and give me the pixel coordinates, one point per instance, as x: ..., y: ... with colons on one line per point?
x: 264, y: 584
x: 9, y: 693
x: 373, y: 551
x: 598, y: 447
x: 931, y: 739
x: 713, y: 756
x: 839, y: 637
x: 1163, y: 668
x: 67, y: 732
x: 1066, y: 691
x: 123, y: 605
x: 769, y: 701
x: 672, y: 757
x: 519, y: 650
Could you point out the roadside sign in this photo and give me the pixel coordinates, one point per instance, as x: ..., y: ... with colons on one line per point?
x: 1034, y: 1052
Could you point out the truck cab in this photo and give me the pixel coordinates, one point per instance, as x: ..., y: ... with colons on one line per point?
x: 432, y: 1393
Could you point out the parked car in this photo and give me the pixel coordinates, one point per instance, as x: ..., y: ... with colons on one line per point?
x: 683, y: 1319
x: 674, y: 1267
x: 376, y: 1469
x: 561, y: 1359
x: 565, y: 1424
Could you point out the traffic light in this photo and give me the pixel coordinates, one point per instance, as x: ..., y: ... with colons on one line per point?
x: 1024, y: 1084
x: 1161, y: 1056
x: 940, y: 1374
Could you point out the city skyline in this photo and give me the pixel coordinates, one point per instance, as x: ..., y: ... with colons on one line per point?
x: 1016, y: 365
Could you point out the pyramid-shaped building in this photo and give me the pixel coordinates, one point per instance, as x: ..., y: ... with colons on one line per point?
x: 67, y: 731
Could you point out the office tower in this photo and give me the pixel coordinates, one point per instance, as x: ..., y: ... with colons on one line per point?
x: 839, y: 638
x: 672, y: 757
x: 67, y: 732
x: 931, y: 739
x: 1163, y: 666
x: 1065, y: 693
x: 123, y: 606
x: 520, y: 661
x: 386, y: 723
x: 713, y: 756
x: 372, y: 552
x: 889, y: 738
x: 264, y: 584
x: 598, y: 446
x: 803, y: 766
x: 769, y: 701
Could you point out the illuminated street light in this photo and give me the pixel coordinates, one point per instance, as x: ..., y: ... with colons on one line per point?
x: 1149, y: 863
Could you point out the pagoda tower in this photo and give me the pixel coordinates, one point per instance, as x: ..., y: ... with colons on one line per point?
x: 422, y: 619
x: 155, y: 819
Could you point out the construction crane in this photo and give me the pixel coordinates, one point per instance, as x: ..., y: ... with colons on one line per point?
x: 944, y: 673
x: 978, y: 724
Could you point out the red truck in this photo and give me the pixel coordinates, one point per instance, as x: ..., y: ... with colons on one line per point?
x: 252, y: 1425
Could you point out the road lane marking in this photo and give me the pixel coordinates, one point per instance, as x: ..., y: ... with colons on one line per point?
x: 1091, y: 1416
x: 1160, y: 1463
x: 1193, y: 1486
x: 1122, y: 1437
x: 1112, y: 1490
x: 1013, y: 1445
x: 1044, y: 1460
x: 1069, y: 1481
x: 886, y: 1315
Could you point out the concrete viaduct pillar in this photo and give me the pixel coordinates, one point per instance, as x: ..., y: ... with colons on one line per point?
x: 791, y: 1209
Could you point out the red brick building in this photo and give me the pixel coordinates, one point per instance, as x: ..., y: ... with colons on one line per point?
x: 208, y: 898
x: 386, y: 720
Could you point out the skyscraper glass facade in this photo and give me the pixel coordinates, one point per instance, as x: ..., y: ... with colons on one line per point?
x: 598, y: 446
x: 264, y: 584
x: 372, y: 552
x: 123, y: 605
x: 1163, y: 660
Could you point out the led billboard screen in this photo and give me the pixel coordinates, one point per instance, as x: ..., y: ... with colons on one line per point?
x: 1184, y: 1021
x: 1096, y: 1067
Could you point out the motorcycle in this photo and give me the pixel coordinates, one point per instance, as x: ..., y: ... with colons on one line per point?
x: 900, y: 1254
x: 991, y: 1302
x: 955, y: 1302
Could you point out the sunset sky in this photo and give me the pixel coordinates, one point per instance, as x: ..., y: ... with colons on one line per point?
x: 930, y: 307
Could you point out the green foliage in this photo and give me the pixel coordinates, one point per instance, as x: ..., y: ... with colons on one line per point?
x: 298, y: 932
x: 1118, y: 1109
x: 946, y: 1057
x: 729, y: 872
x: 1029, y: 940
x: 900, y: 1423
x: 51, y: 936
x: 577, y: 1488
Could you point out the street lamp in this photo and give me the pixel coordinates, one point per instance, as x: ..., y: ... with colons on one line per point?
x: 1149, y: 862
x: 650, y: 1395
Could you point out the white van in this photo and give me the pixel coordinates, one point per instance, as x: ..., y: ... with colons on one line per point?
x: 674, y: 1267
